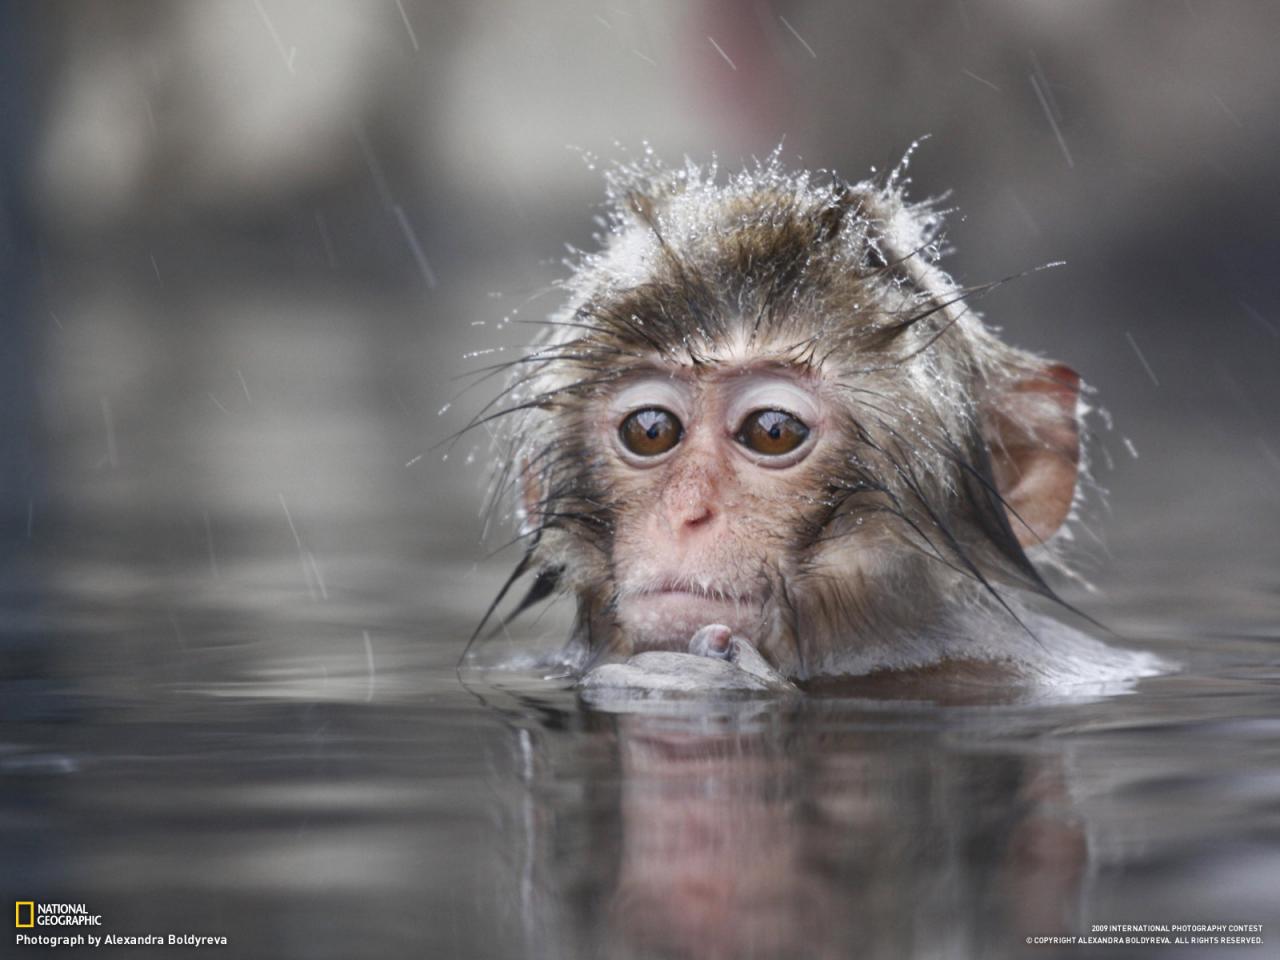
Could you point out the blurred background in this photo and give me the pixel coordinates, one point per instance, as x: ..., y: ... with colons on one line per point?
x: 248, y: 247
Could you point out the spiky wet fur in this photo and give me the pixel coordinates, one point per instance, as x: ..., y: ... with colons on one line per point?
x: 841, y: 279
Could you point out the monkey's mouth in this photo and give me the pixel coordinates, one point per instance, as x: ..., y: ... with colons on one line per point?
x: 666, y: 614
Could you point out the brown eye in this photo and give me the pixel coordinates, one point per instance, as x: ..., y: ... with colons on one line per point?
x: 650, y: 432
x: 771, y: 433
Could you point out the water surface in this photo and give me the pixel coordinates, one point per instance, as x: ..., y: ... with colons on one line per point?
x: 304, y: 773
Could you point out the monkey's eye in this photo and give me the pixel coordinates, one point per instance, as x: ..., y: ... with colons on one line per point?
x: 771, y: 432
x: 650, y: 432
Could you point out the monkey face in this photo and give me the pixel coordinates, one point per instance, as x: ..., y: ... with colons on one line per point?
x: 706, y: 468
x: 765, y: 406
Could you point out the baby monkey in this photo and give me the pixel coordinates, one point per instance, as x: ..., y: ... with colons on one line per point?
x: 765, y: 408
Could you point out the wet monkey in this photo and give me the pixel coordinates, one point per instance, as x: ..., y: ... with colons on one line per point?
x: 765, y: 407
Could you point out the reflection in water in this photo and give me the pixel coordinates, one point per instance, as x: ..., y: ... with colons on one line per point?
x: 763, y: 831
x: 712, y: 847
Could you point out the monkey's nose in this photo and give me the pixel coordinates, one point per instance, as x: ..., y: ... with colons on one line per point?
x: 698, y: 516
x: 690, y: 518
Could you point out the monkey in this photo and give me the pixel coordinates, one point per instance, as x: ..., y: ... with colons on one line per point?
x: 766, y: 420
x: 716, y: 659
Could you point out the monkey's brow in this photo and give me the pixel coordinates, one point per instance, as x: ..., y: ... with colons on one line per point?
x: 784, y: 364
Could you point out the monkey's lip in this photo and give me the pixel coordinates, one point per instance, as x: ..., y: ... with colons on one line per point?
x: 711, y: 594
x: 666, y: 616
x: 680, y: 590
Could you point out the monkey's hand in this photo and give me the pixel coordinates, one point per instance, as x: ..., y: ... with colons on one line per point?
x: 717, y: 662
x: 718, y: 641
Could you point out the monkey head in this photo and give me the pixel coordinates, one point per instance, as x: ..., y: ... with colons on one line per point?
x: 764, y: 405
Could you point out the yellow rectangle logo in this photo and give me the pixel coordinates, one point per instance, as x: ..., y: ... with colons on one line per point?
x: 31, y: 913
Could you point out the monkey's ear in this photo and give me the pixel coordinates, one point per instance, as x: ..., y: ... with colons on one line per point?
x: 1032, y: 429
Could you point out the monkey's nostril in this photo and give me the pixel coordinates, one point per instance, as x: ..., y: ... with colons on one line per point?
x: 683, y: 518
x: 698, y: 518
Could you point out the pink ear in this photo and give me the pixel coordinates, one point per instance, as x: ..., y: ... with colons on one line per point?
x: 1032, y: 429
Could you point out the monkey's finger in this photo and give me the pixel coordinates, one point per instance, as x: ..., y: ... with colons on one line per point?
x: 713, y: 640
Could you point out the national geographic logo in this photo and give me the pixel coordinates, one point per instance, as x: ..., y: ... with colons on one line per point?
x: 30, y: 913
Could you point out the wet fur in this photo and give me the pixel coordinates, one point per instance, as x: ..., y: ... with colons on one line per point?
x: 835, y: 278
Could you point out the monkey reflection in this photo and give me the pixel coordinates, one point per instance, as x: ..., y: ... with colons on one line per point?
x: 753, y: 838
x: 766, y: 407
x: 713, y: 856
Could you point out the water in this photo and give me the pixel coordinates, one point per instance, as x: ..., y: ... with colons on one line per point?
x: 224, y: 755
